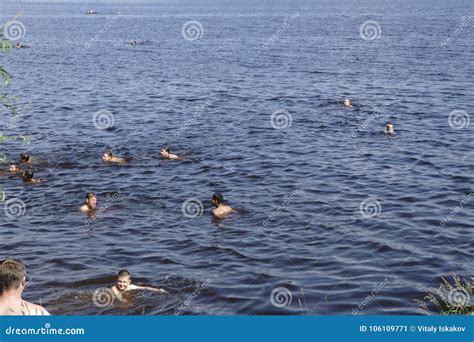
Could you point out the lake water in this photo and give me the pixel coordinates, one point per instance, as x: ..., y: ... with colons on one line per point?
x: 333, y: 216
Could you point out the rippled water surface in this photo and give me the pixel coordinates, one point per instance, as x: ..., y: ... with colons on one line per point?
x: 328, y: 207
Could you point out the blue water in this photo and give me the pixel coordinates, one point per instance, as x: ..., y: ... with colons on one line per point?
x: 307, y: 181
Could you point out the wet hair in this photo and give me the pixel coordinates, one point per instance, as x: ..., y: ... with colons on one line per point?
x: 24, y: 157
x: 165, y: 149
x: 218, y: 198
x: 15, y: 165
x: 27, y: 175
x: 124, y: 273
x: 89, y: 196
x: 12, y: 273
x: 108, y: 153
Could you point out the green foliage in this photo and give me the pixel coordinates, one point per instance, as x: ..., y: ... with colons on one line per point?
x: 440, y: 300
x: 5, y: 47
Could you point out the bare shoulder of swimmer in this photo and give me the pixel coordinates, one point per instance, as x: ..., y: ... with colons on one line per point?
x: 84, y: 208
x: 173, y: 156
x: 222, y: 211
x: 28, y: 309
x: 120, y: 160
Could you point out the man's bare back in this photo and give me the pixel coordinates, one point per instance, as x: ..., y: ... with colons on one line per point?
x: 21, y: 308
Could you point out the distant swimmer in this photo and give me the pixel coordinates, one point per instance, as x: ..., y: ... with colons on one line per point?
x: 221, y: 210
x: 124, y: 285
x: 19, y: 45
x: 12, y: 285
x: 389, y: 129
x: 165, y: 153
x: 28, y: 177
x: 90, y: 203
x: 25, y: 158
x: 347, y: 103
x: 14, y: 168
x: 109, y: 158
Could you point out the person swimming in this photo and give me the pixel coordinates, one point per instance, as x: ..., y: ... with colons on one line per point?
x: 90, y: 203
x: 19, y: 45
x: 165, y: 153
x: 124, y: 285
x: 221, y: 210
x: 109, y: 158
x: 24, y: 158
x: 12, y: 285
x: 28, y: 177
x: 389, y: 129
x: 14, y: 168
x: 347, y: 103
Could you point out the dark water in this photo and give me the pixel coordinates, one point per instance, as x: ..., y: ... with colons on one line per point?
x: 313, y: 176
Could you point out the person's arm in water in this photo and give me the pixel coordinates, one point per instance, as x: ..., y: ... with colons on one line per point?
x: 154, y: 289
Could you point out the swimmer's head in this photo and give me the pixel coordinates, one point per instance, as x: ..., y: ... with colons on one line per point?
x: 91, y: 200
x: 107, y: 156
x: 27, y: 176
x: 347, y: 102
x: 165, y: 152
x: 217, y: 199
x: 124, y: 279
x: 24, y: 158
x: 14, y: 168
x: 389, y: 129
x: 12, y: 275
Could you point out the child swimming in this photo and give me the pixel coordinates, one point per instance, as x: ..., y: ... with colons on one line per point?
x: 90, y: 203
x: 124, y: 285
x: 220, y: 210
x: 109, y: 158
x: 165, y: 153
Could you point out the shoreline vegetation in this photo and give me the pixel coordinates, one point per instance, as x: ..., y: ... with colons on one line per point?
x: 452, y: 297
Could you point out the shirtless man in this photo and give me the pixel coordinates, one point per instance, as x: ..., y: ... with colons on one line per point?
x: 12, y: 285
x: 90, y: 203
x: 109, y: 158
x: 124, y: 284
x: 165, y: 153
x: 220, y: 210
